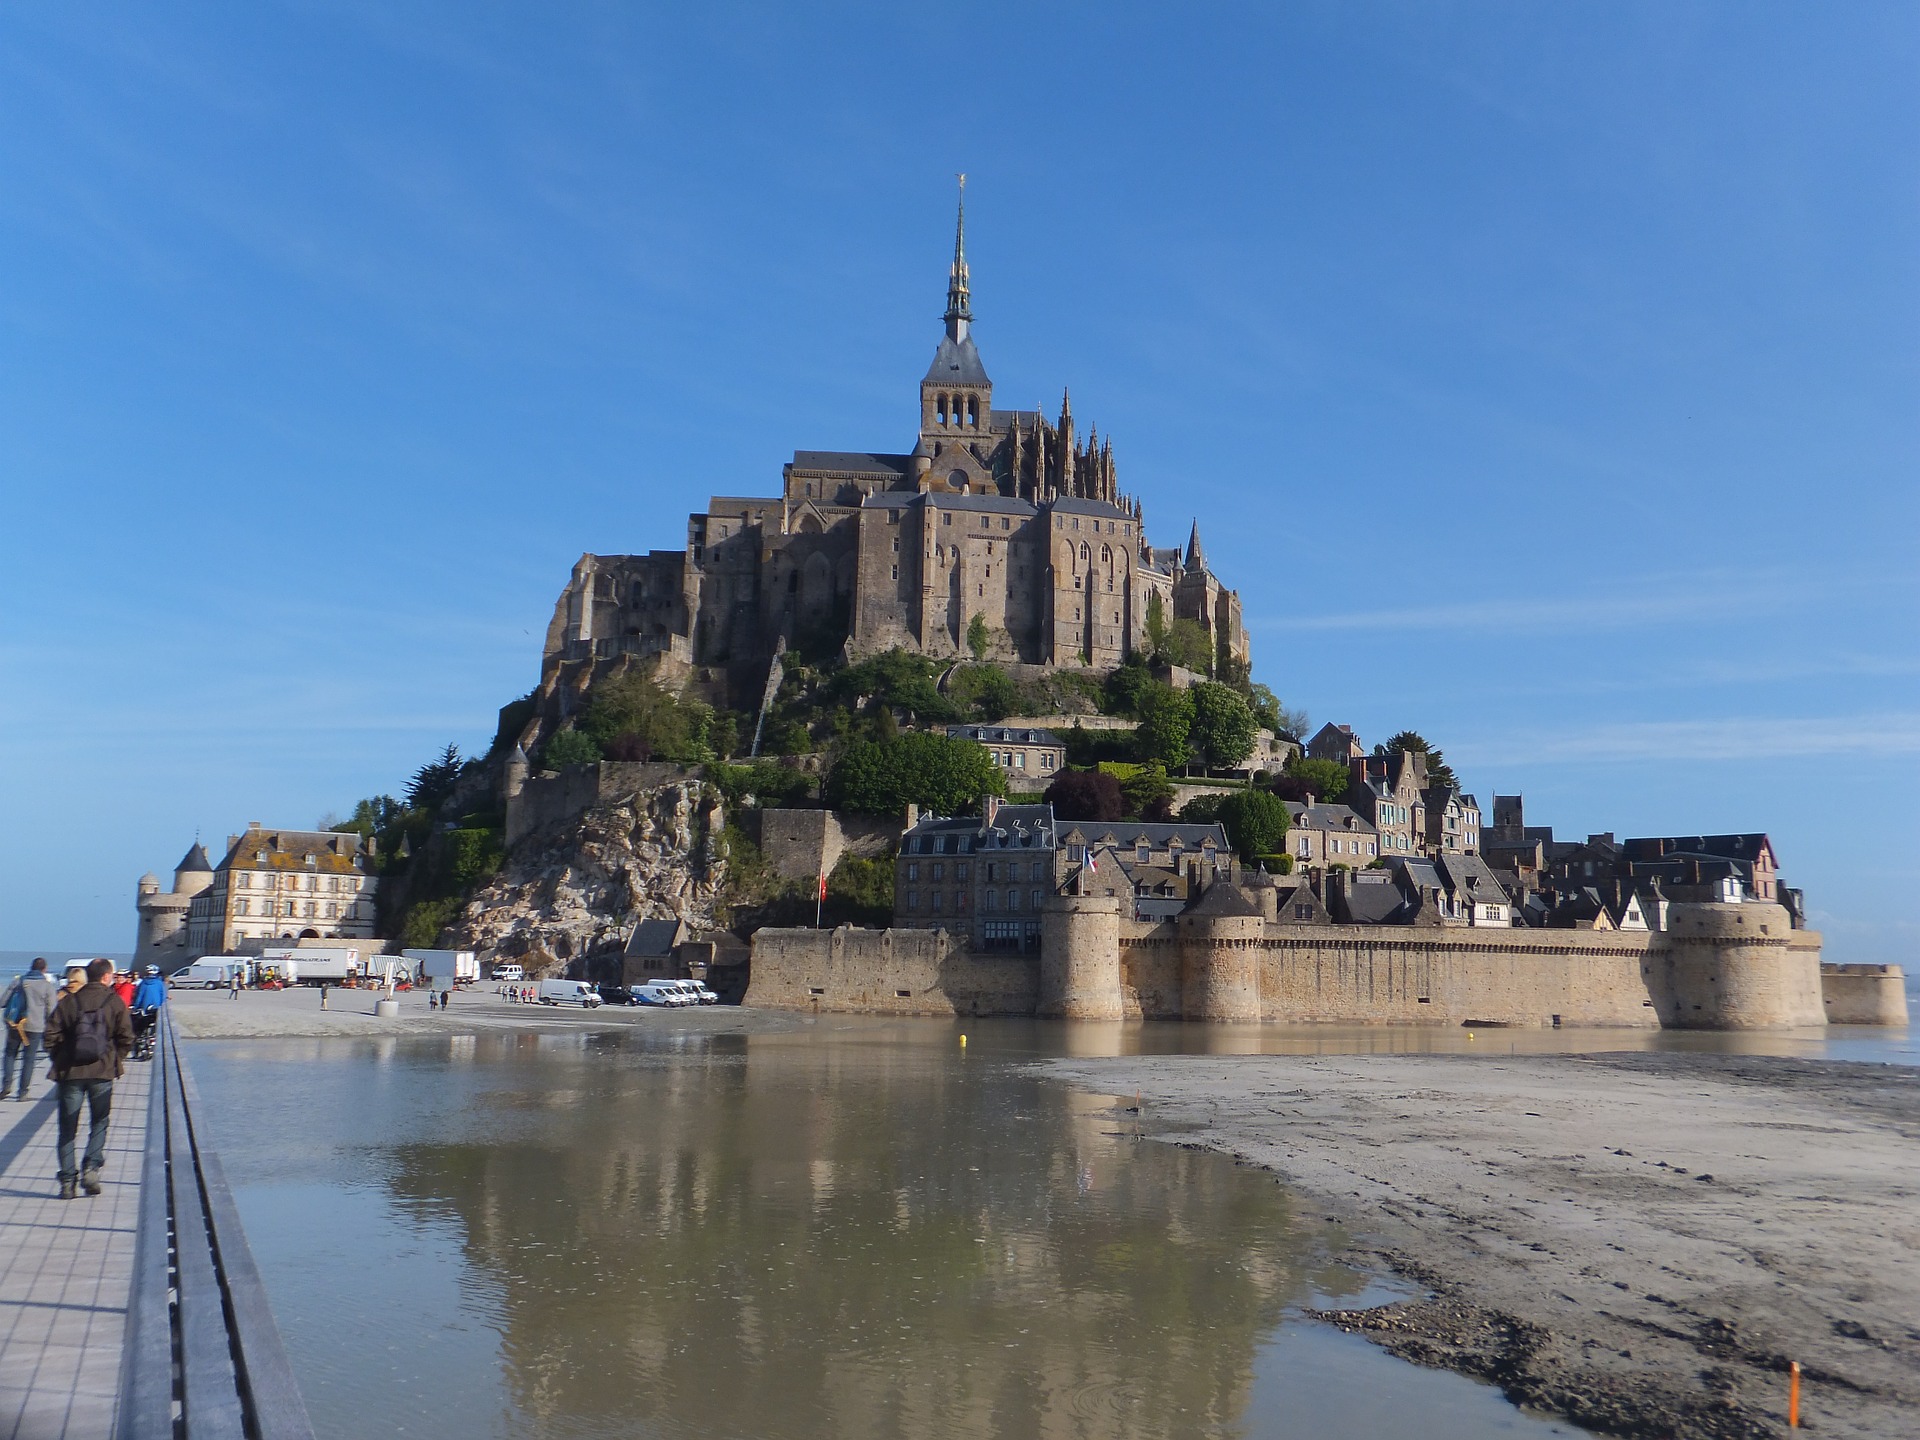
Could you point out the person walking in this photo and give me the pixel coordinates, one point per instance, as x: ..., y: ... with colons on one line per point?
x: 28, y: 1004
x: 233, y: 984
x: 89, y: 1035
x: 148, y: 996
x: 323, y: 995
x: 122, y: 985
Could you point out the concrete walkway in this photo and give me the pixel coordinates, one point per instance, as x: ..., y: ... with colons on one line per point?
x: 65, y: 1268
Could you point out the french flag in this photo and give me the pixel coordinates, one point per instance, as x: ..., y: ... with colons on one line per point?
x: 1093, y: 862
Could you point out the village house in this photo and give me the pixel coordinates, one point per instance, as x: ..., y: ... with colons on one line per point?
x: 1453, y: 821
x: 284, y: 885
x: 1385, y: 791
x: 1337, y: 743
x: 1021, y: 753
x: 985, y: 875
x: 1319, y: 836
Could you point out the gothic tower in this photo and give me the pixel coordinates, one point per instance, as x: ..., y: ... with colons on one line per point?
x: 956, y: 398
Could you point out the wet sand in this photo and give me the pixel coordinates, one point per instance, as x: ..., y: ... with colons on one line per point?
x: 1637, y: 1242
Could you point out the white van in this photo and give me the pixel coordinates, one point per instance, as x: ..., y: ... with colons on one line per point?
x: 212, y: 972
x: 568, y: 992
x: 663, y: 992
x: 509, y: 973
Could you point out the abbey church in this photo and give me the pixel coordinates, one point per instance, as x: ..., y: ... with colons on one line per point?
x: 1000, y: 514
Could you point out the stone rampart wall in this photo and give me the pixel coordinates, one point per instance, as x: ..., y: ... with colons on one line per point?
x: 887, y: 972
x: 799, y: 844
x: 1727, y: 971
x: 1864, y: 994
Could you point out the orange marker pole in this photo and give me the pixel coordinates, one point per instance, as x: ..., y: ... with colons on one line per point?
x: 1793, y: 1395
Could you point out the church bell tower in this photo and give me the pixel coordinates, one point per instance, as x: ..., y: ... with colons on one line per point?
x: 956, y: 398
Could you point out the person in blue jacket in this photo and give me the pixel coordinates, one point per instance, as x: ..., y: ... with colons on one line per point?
x: 148, y: 996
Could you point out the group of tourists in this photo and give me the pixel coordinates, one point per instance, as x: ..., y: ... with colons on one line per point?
x: 87, y: 1028
x: 521, y: 994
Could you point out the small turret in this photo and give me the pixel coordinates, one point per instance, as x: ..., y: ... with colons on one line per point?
x: 1196, y: 557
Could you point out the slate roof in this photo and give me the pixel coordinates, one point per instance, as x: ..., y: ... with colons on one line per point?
x: 1378, y: 905
x: 1014, y: 827
x: 1725, y: 847
x: 945, y: 500
x: 1129, y: 833
x: 1002, y: 735
x: 196, y: 859
x: 1074, y: 505
x: 655, y: 939
x: 1333, y: 818
x: 1222, y: 899
x: 333, y: 852
x: 957, y: 362
x: 854, y: 462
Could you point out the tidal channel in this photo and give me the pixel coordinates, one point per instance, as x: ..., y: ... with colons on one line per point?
x: 840, y: 1228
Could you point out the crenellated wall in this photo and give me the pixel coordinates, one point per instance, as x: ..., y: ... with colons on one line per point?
x: 1721, y: 967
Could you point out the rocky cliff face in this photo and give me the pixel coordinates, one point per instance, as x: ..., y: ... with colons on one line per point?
x: 575, y: 886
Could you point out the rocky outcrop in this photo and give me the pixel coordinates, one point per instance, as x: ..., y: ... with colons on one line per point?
x: 578, y: 886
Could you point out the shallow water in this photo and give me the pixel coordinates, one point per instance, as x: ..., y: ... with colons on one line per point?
x: 850, y: 1228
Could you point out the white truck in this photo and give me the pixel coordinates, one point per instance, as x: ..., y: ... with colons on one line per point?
x: 568, y: 992
x: 457, y: 967
x: 314, y: 964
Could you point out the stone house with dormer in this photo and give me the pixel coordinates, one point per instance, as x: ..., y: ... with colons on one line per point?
x: 1387, y: 791
x: 1320, y: 836
x: 285, y: 885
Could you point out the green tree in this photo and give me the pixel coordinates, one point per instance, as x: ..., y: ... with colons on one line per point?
x: 1147, y: 793
x: 1438, y: 771
x: 664, y: 726
x: 1127, y: 688
x: 896, y: 679
x: 860, y: 891
x: 1166, y: 722
x: 977, y: 637
x: 1326, y: 780
x: 1256, y: 822
x: 1203, y: 809
x: 985, y: 692
x: 1223, y: 725
x: 433, y: 782
x: 948, y: 777
x: 569, y: 747
x: 1189, y: 647
x: 1156, y: 625
x: 373, y: 816
x: 1281, y: 719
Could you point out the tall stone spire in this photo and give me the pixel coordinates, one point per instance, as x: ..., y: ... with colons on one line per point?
x: 959, y: 316
x: 1196, y: 557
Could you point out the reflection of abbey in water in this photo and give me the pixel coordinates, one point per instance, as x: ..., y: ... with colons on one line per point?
x: 1001, y: 514
x: 764, y: 1237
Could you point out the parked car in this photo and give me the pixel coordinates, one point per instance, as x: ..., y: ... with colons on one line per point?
x: 612, y: 994
x: 568, y: 992
x: 662, y: 992
x: 509, y: 972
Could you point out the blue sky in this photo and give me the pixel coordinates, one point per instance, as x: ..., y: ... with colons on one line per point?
x: 1545, y: 376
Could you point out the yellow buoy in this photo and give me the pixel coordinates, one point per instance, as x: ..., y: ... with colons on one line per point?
x: 963, y: 1042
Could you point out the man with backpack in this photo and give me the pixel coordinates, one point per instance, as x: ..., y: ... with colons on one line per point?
x: 28, y: 1004
x: 88, y: 1037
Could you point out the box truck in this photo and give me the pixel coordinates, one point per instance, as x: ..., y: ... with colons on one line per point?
x: 456, y: 967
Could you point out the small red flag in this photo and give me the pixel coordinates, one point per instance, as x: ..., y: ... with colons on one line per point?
x: 823, y: 887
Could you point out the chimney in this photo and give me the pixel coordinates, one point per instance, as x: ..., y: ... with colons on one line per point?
x: 989, y: 810
x: 1306, y: 798
x: 913, y: 816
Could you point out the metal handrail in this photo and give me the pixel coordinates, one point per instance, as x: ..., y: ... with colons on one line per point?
x: 203, y: 1358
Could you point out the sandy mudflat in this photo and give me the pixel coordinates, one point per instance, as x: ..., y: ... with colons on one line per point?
x: 1637, y: 1242
x: 264, y: 1014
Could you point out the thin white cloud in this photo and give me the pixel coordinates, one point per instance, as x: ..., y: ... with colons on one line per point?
x: 1734, y: 738
x: 1630, y: 603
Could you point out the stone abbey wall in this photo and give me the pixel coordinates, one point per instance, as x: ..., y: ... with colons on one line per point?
x: 1720, y: 967
x: 1864, y: 994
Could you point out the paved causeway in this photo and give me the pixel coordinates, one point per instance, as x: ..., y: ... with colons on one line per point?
x: 65, y: 1269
